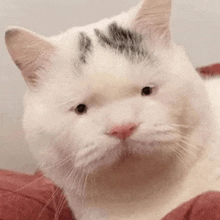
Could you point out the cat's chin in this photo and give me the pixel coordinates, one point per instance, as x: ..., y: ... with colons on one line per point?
x: 129, y: 152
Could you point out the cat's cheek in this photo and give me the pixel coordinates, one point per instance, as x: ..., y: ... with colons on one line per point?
x: 156, y: 121
x: 154, y: 112
x: 94, y: 149
x: 46, y: 131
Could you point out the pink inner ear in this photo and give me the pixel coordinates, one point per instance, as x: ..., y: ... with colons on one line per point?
x: 153, y: 20
x: 35, y: 69
x: 15, y: 53
x: 29, y: 51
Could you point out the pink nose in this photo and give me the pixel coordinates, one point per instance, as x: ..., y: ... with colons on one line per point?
x: 123, y: 131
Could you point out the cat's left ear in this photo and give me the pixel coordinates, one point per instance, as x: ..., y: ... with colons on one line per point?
x: 153, y: 21
x: 30, y: 52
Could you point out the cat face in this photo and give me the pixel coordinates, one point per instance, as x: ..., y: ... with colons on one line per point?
x: 115, y: 88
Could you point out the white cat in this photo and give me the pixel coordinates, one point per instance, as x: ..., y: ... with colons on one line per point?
x: 117, y: 116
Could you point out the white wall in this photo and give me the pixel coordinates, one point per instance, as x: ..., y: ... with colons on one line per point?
x: 196, y: 25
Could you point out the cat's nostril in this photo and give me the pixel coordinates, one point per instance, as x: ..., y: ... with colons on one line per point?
x: 123, y: 131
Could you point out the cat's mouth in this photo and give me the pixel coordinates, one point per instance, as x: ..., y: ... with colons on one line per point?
x: 119, y: 151
x: 127, y: 153
x: 128, y: 156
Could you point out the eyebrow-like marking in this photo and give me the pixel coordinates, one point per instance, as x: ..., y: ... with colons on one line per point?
x: 123, y: 41
x: 85, y: 47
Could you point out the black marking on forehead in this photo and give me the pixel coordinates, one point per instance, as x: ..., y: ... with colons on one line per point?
x: 122, y: 40
x: 85, y: 47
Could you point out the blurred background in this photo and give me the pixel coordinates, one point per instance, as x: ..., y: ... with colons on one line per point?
x: 195, y: 24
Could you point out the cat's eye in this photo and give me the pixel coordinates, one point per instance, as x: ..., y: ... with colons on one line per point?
x: 147, y: 90
x: 81, y: 109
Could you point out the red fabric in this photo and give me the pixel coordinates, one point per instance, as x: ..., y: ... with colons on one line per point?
x: 210, y: 70
x: 203, y: 207
x: 27, y: 197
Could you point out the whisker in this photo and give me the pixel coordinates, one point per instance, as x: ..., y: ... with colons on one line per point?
x: 57, y: 207
x: 180, y: 157
x: 80, y: 189
x: 85, y: 182
x: 60, y: 206
x: 23, y: 187
x: 54, y: 194
x: 180, y: 125
x: 77, y: 181
x: 186, y: 142
x: 190, y: 151
x: 62, y: 200
x: 186, y: 126
x: 60, y: 163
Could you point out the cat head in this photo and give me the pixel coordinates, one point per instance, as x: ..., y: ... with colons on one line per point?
x: 120, y: 86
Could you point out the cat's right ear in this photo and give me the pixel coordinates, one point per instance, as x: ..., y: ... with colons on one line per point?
x: 30, y: 52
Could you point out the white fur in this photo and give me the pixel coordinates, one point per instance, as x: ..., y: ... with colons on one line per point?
x: 155, y: 169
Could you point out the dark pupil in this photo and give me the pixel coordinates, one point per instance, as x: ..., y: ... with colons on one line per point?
x: 81, y: 109
x: 146, y: 90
